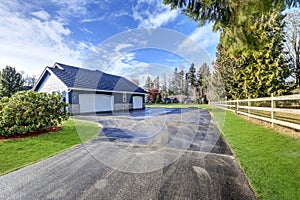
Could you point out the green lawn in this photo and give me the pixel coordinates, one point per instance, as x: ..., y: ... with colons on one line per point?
x: 270, y: 160
x: 17, y: 153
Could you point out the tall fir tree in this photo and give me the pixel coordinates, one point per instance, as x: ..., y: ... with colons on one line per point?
x: 203, y: 80
x: 180, y: 81
x: 263, y: 69
x: 148, y: 84
x: 224, y: 77
x: 192, y: 75
x: 156, y: 83
x: 251, y: 40
x: 258, y: 68
x: 226, y: 14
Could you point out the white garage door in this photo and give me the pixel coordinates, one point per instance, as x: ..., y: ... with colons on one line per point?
x: 95, y: 103
x: 137, y: 102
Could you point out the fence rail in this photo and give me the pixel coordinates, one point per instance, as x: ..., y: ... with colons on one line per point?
x: 282, y: 110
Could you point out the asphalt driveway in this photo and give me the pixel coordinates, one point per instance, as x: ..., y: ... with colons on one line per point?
x: 151, y: 154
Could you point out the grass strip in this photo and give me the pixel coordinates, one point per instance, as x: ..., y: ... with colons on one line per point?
x: 270, y: 160
x: 17, y: 153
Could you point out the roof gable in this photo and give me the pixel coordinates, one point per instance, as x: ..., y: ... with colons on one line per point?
x: 74, y: 77
x: 44, y: 79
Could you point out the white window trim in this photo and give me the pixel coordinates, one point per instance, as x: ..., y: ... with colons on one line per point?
x: 124, y: 97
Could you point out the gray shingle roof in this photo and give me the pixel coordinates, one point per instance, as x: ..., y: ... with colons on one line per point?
x: 75, y: 77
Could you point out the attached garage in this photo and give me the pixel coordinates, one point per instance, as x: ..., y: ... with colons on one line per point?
x: 89, y: 91
x: 95, y: 103
x: 137, y: 102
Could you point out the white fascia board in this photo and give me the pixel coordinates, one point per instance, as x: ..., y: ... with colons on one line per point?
x: 39, y: 79
x: 58, y: 66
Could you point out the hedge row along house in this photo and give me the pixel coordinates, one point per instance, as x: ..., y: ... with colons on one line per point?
x: 88, y: 91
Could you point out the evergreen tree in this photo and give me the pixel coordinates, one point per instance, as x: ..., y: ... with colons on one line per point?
x: 164, y: 82
x: 177, y: 84
x: 192, y: 75
x: 180, y: 81
x: 156, y: 84
x: 174, y: 82
x: 170, y: 86
x: 11, y: 81
x: 148, y: 83
x: 218, y: 87
x: 263, y: 69
x: 250, y: 59
x: 203, y: 79
x: 164, y: 91
x: 186, y: 88
x: 228, y: 16
x: 259, y: 68
x: 225, y: 79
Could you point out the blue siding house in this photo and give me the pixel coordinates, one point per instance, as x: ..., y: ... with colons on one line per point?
x: 89, y: 91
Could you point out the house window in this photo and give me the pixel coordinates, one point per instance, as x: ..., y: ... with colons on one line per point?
x: 124, y: 97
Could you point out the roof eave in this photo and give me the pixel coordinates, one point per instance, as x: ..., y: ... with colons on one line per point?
x: 39, y: 79
x: 112, y: 91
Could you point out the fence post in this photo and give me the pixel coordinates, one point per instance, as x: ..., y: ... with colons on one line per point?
x: 273, y: 105
x: 237, y: 105
x: 249, y: 104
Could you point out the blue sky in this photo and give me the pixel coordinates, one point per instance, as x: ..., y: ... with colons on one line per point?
x: 35, y: 34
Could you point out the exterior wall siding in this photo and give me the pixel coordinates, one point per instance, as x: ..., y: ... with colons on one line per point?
x: 74, y: 108
x: 122, y: 106
x: 119, y: 105
x: 52, y: 84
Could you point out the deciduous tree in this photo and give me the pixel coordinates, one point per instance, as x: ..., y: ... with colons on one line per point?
x: 292, y: 43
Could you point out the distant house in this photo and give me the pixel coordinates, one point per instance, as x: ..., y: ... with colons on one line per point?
x: 89, y: 91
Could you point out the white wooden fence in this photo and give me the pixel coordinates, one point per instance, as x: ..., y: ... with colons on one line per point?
x: 282, y: 110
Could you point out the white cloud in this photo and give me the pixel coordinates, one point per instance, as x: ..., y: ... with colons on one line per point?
x: 160, y: 19
x: 114, y: 18
x: 71, y: 7
x: 201, y: 39
x: 93, y: 19
x: 143, y: 70
x: 155, y: 18
x: 78, y: 8
x: 123, y: 46
x: 131, y: 68
x: 124, y: 64
x: 84, y: 29
x: 31, y: 43
x: 205, y: 36
x: 43, y: 15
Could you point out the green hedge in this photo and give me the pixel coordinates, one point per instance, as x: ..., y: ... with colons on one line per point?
x: 28, y: 111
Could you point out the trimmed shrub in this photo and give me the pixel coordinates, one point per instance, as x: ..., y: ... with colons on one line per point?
x: 28, y: 111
